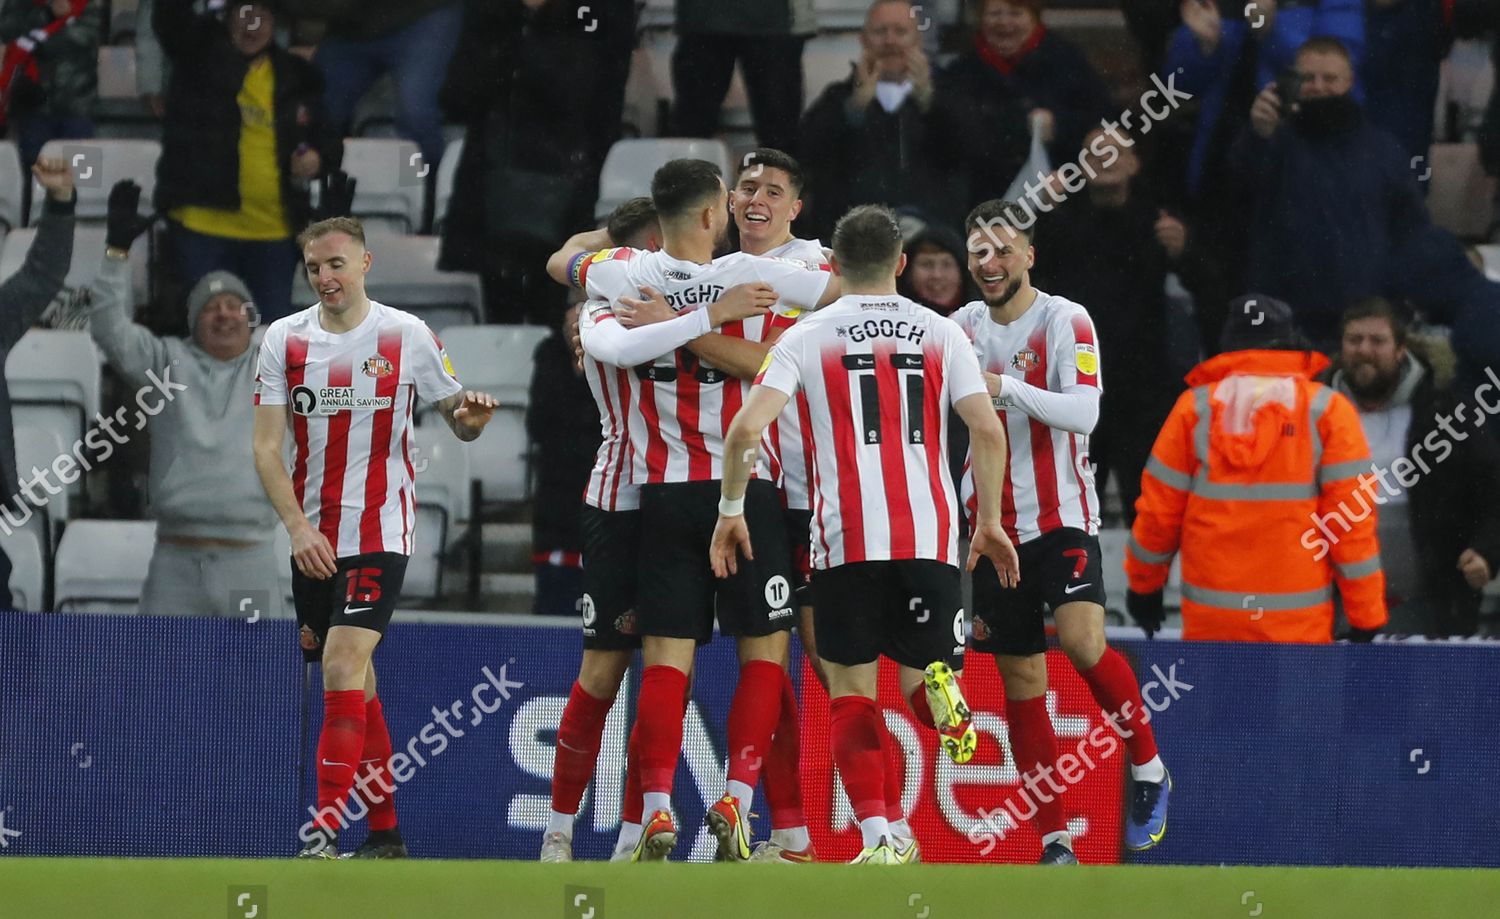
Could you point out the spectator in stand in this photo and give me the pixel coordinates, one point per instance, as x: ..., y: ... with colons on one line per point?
x: 22, y: 300
x: 1111, y: 248
x: 1408, y: 40
x: 1438, y: 517
x: 889, y: 134
x: 1247, y: 460
x: 242, y: 139
x: 412, y: 40
x: 562, y: 422
x: 1334, y: 197
x: 529, y: 174
x: 766, y: 38
x: 214, y: 527
x: 935, y: 274
x: 49, y: 77
x: 1017, y: 65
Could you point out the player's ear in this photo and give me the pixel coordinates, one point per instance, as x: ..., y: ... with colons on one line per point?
x: 796, y: 208
x: 900, y: 264
x: 833, y: 265
x: 367, y: 259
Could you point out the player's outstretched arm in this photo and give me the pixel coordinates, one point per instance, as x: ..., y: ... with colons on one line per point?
x: 987, y: 443
x: 311, y: 550
x: 467, y: 412
x: 741, y: 443
x: 577, y: 244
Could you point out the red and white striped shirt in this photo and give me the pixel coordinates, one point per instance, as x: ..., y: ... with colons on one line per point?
x: 615, y: 392
x: 785, y: 439
x: 351, y: 396
x: 1049, y: 483
x: 876, y: 376
x: 684, y: 405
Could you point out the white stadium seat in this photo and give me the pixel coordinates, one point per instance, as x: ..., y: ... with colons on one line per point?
x: 88, y: 256
x: 27, y: 574
x: 97, y: 165
x: 12, y: 185
x: 497, y: 359
x: 117, y: 72
x: 392, y: 182
x: 39, y: 446
x: 442, y: 469
x: 631, y: 162
x: 404, y: 274
x: 1112, y: 541
x: 54, y: 382
x: 447, y: 173
x: 101, y: 565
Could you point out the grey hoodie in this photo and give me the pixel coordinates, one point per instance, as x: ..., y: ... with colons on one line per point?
x: 202, y: 477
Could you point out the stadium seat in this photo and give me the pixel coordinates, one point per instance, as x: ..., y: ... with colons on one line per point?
x: 97, y: 165
x: 392, y: 182
x: 447, y: 171
x: 12, y: 185
x: 1460, y: 196
x: 630, y: 164
x: 123, y: 21
x: 1491, y: 256
x: 1112, y: 542
x: 101, y: 565
x: 442, y: 469
x: 117, y: 72
x: 54, y: 382
x: 283, y: 544
x: 37, y: 447
x: 88, y: 255
x: 404, y: 274
x: 27, y: 572
x: 497, y: 359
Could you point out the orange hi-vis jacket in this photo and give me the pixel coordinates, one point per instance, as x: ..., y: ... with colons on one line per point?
x: 1250, y: 461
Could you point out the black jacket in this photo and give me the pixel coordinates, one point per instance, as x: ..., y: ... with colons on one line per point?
x: 1455, y: 506
x: 200, y: 160
x: 909, y: 159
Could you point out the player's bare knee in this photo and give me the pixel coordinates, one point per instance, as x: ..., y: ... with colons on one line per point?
x: 601, y: 672
x: 344, y: 669
x: 1024, y: 677
x: 771, y: 647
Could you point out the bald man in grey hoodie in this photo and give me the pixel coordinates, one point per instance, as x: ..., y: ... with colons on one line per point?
x: 215, y: 551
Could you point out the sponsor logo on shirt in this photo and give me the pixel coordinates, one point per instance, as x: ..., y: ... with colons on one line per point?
x: 676, y: 275
x: 1025, y: 360
x: 887, y: 306
x: 330, y: 400
x: 377, y: 366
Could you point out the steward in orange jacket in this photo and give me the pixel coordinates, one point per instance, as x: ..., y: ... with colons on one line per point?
x: 1247, y: 458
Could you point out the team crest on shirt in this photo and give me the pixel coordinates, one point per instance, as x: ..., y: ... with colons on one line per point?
x: 1025, y: 360
x: 981, y: 631
x: 377, y: 366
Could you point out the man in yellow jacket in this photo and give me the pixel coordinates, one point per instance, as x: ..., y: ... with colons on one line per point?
x: 1250, y: 457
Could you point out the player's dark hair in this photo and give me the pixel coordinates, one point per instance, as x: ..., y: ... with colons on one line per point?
x: 1326, y: 44
x: 1379, y: 308
x: 350, y: 226
x: 630, y: 218
x: 867, y: 243
x: 771, y: 158
x: 682, y: 186
x: 999, y: 213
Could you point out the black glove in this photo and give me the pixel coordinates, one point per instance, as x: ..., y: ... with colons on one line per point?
x: 338, y: 195
x: 1147, y: 610
x: 125, y: 222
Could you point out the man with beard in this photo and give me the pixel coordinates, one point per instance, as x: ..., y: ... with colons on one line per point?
x: 1334, y: 196
x: 1439, y: 529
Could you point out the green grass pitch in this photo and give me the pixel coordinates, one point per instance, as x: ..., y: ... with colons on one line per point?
x: 39, y: 888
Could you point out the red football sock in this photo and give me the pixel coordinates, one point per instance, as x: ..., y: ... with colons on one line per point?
x: 854, y: 731
x: 752, y: 719
x: 920, y: 708
x: 1034, y: 745
x: 339, y: 745
x: 374, y: 762
x: 659, y: 719
x: 895, y: 764
x: 1113, y: 685
x: 577, y: 748
x: 630, y: 810
x: 784, y: 765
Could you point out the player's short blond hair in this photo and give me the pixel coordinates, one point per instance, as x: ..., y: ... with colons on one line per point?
x: 349, y: 226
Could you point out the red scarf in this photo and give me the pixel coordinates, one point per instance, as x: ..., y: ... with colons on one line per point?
x: 1006, y: 64
x: 20, y: 55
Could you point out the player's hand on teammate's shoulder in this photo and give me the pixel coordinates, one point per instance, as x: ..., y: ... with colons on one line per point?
x: 743, y: 301
x: 650, y: 308
x: 730, y: 536
x: 991, y: 542
x: 312, y: 552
